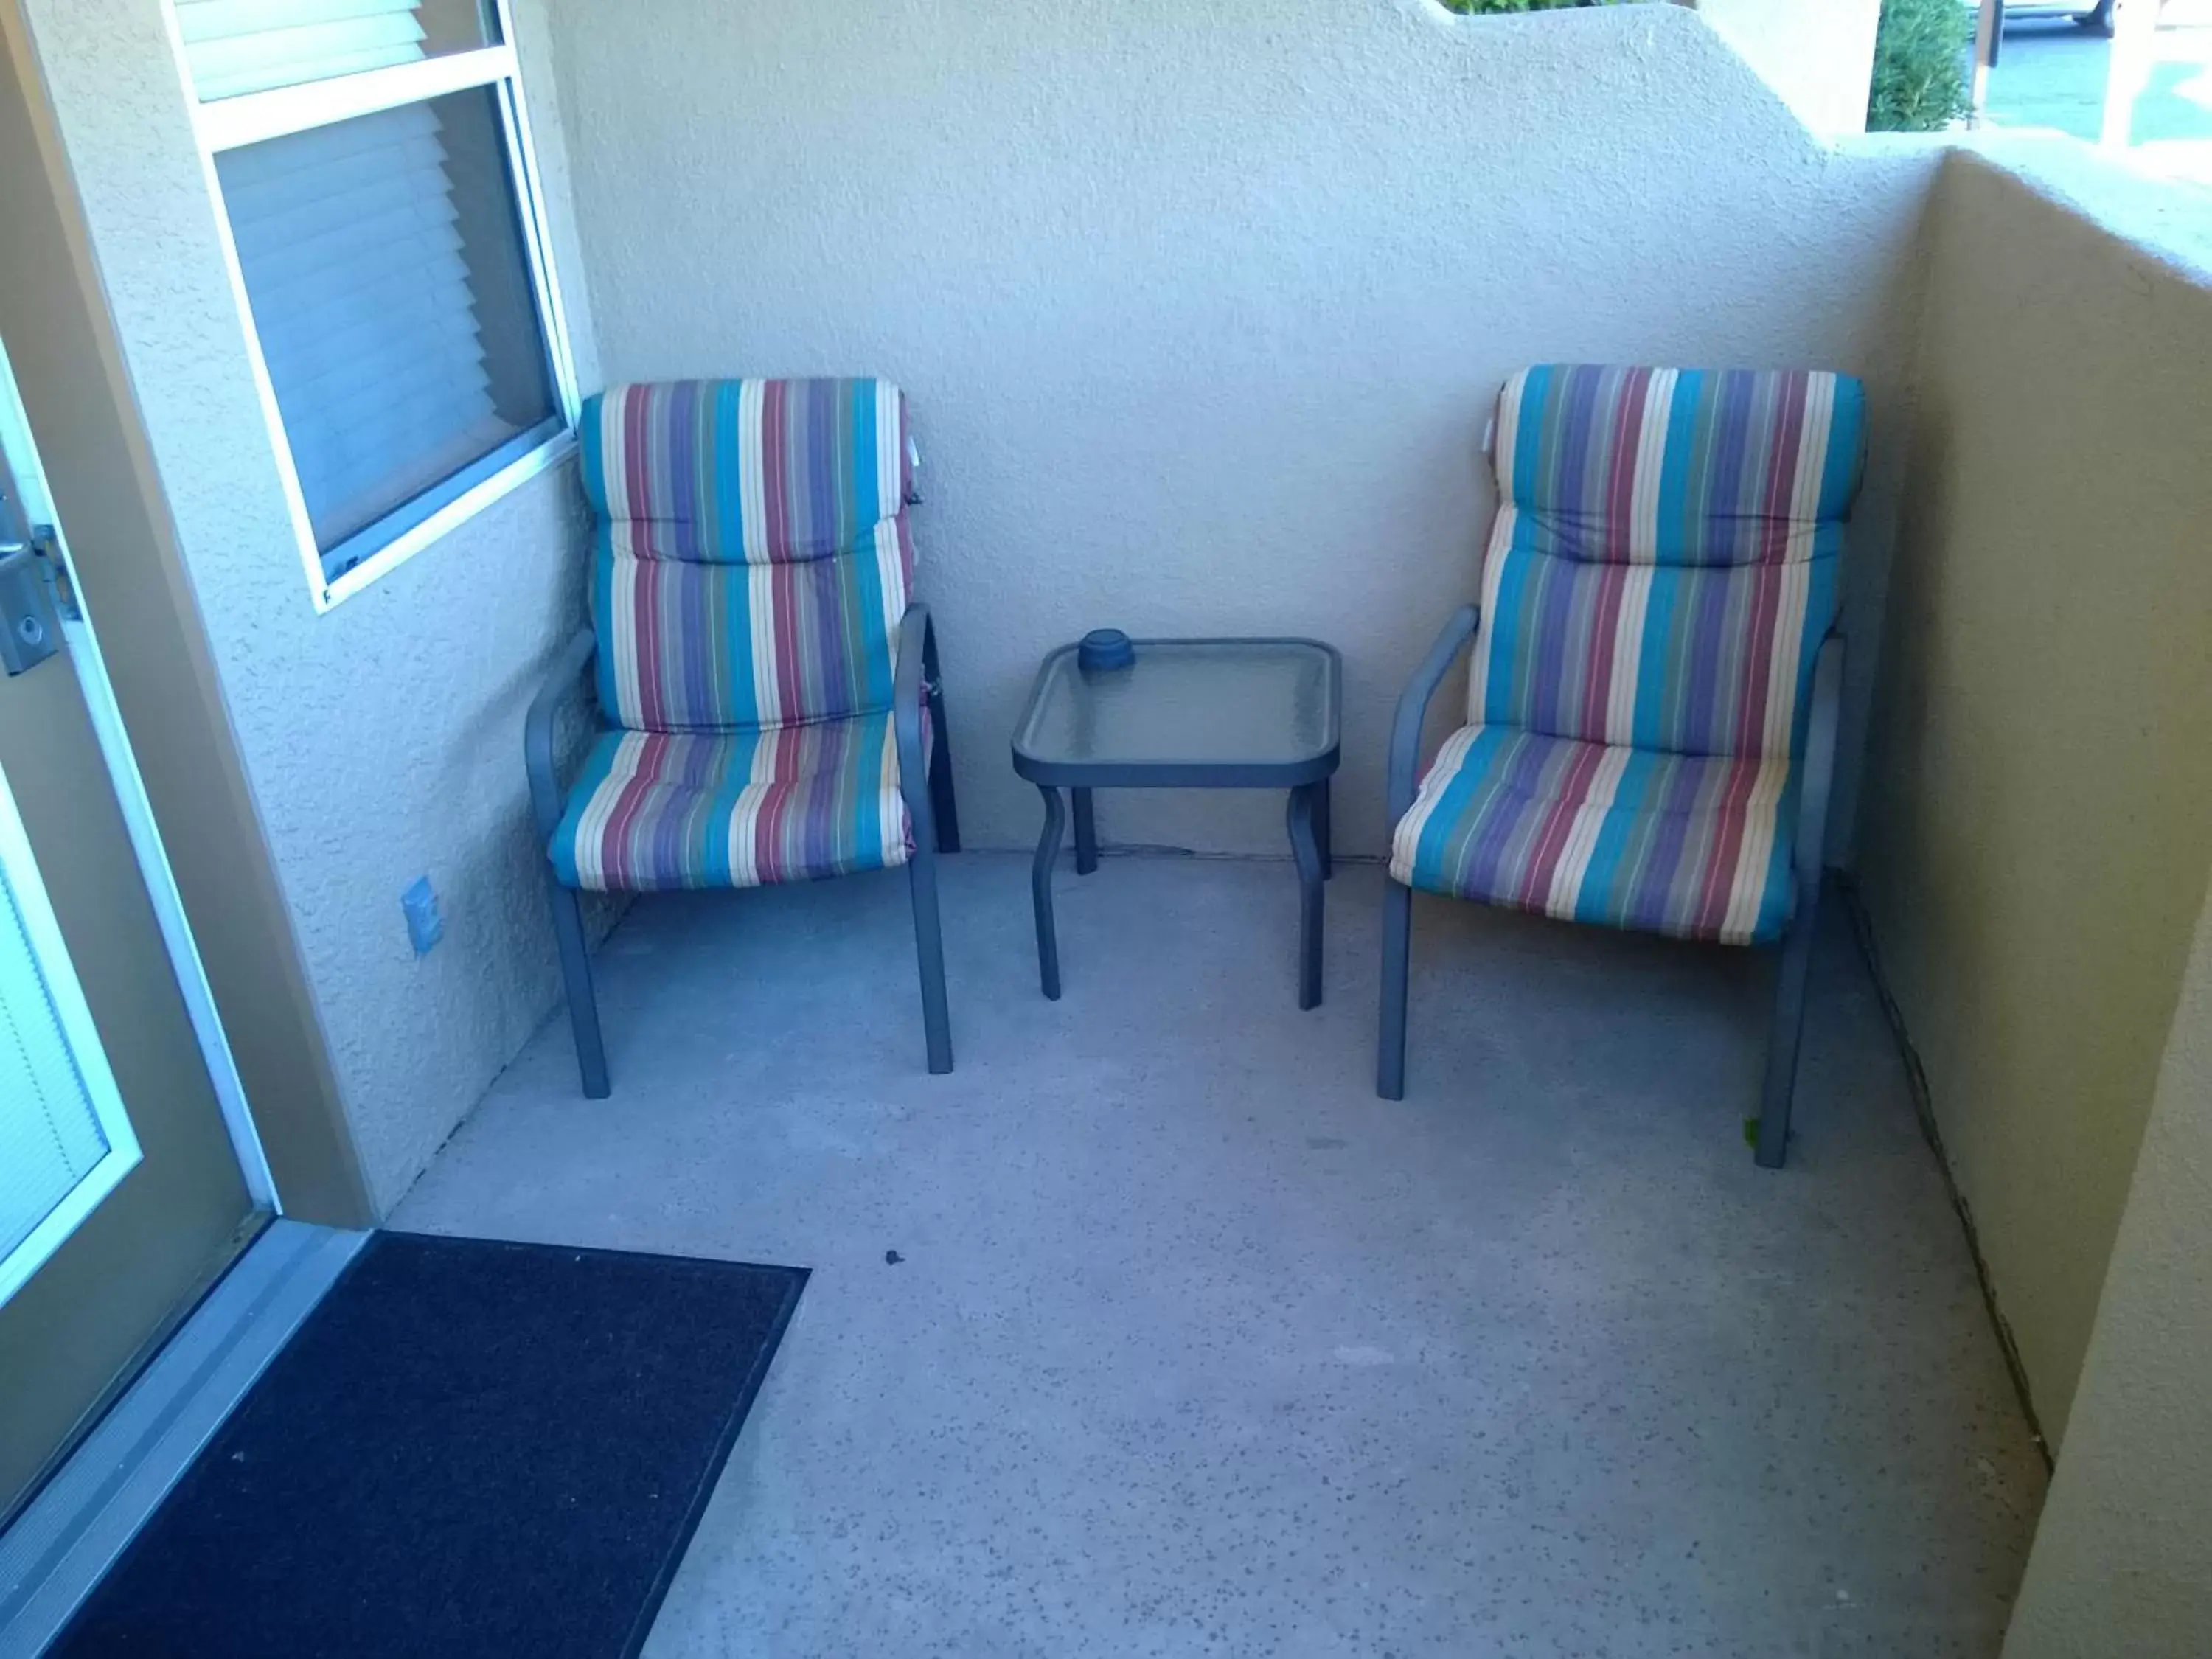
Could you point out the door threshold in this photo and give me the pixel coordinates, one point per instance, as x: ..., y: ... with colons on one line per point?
x: 68, y: 1535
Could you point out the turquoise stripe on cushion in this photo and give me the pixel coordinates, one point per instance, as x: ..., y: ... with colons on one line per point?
x: 861, y: 487
x: 1678, y: 494
x: 1615, y: 863
x: 591, y: 461
x: 1508, y: 620
x: 1528, y: 446
x: 725, y: 507
x: 1845, y: 461
x: 1654, y: 691
x: 1447, y: 825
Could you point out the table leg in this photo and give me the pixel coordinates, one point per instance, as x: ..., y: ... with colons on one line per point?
x: 1321, y: 829
x: 1055, y: 817
x: 1087, y: 834
x: 1307, y: 850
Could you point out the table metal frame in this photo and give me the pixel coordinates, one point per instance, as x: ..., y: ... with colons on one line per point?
x: 1306, y: 815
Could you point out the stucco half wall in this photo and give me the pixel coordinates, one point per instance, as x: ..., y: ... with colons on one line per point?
x: 382, y: 741
x: 2119, y: 1564
x: 1202, y: 307
x: 2039, y: 810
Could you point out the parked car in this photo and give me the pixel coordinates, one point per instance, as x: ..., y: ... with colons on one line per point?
x: 2098, y: 17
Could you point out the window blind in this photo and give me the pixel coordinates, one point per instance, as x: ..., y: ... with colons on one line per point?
x: 357, y: 267
x: 237, y: 46
x: 50, y: 1136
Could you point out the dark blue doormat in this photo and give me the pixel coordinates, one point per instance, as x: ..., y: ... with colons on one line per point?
x: 469, y: 1448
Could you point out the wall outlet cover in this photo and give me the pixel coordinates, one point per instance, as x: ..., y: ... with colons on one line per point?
x: 424, y: 925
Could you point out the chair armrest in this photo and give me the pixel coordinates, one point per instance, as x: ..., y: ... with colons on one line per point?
x: 917, y: 644
x: 545, y: 801
x: 1413, y: 710
x: 1819, y: 759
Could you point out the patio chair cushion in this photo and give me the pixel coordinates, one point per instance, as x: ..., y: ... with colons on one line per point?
x: 1697, y: 847
x: 751, y: 555
x: 654, y: 811
x: 1663, y: 565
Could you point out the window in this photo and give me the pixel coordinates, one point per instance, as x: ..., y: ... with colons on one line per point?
x: 372, y: 163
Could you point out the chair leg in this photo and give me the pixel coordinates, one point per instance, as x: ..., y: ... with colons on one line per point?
x: 1048, y: 852
x: 1397, y: 940
x: 1306, y: 849
x: 1788, y: 1026
x: 1086, y: 832
x: 576, y: 977
x: 942, y: 805
x: 929, y: 950
x: 1322, y: 833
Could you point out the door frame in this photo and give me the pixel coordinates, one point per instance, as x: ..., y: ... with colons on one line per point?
x: 22, y: 473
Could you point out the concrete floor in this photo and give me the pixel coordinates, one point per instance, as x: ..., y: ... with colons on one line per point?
x: 1196, y: 1346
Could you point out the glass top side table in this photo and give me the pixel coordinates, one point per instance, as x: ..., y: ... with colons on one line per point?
x: 1259, y: 714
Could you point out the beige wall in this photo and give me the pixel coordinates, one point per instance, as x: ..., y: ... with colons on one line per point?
x: 2122, y: 1559
x: 1202, y: 308
x: 2037, y: 824
x: 381, y: 741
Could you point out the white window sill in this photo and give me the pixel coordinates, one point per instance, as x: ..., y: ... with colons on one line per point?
x: 448, y: 518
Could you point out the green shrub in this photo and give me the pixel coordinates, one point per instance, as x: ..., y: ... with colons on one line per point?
x: 1920, y: 81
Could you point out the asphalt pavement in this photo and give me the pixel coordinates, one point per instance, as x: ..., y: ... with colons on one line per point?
x: 2052, y: 73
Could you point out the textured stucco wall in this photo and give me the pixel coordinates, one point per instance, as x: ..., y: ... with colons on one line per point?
x: 2039, y: 805
x: 382, y: 740
x: 2123, y: 1557
x: 1202, y: 308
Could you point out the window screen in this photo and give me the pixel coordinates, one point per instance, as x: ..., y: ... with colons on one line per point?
x: 384, y: 262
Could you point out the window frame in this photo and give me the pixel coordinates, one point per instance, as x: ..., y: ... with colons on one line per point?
x: 229, y: 124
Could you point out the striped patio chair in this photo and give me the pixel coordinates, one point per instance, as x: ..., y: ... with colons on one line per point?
x: 770, y: 695
x: 1652, y: 705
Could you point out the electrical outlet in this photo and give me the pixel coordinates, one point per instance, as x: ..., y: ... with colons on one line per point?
x: 425, y: 926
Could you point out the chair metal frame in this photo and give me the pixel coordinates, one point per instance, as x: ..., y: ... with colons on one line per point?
x: 925, y: 784
x: 1817, y: 779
